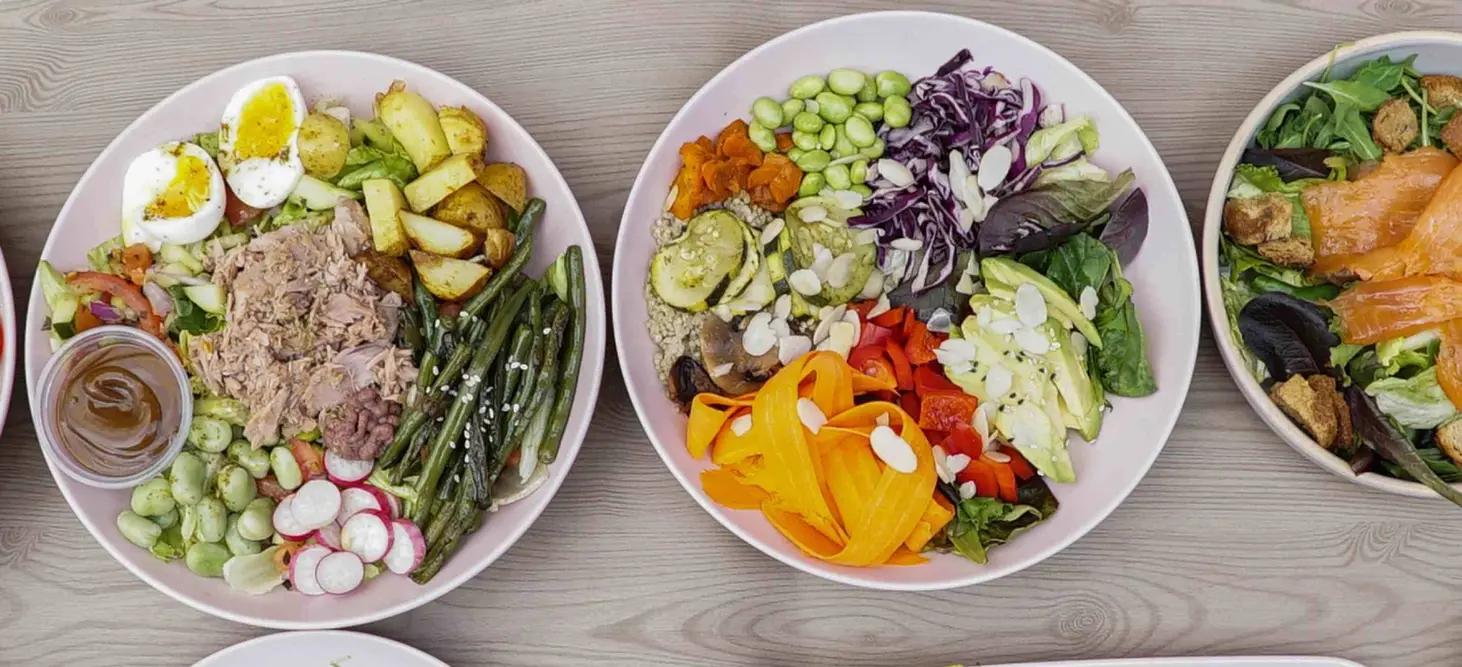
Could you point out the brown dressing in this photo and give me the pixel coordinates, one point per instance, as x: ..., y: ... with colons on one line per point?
x: 117, y: 409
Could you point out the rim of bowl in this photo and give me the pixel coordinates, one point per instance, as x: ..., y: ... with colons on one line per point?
x: 10, y: 353
x: 1212, y: 290
x: 567, y: 454
x: 263, y: 640
x: 1164, y: 180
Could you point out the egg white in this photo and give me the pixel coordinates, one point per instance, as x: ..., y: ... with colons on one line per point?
x: 147, y: 178
x: 261, y: 182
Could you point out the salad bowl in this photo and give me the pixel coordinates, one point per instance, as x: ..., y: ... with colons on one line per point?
x: 90, y: 216
x: 1164, y: 278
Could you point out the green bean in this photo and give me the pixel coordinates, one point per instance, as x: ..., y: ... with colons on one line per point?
x: 286, y: 469
x: 858, y: 172
x: 764, y: 138
x: 520, y: 354
x: 152, y: 497
x: 256, y: 461
x: 872, y: 111
x: 768, y: 112
x: 837, y: 177
x: 862, y: 190
x: 869, y: 91
x: 812, y: 183
x: 500, y: 280
x: 187, y: 478
x: 528, y: 220
x: 806, y: 141
x: 412, y: 337
x: 833, y: 108
x: 236, y: 543
x: 459, y: 520
x: 875, y: 151
x: 212, y: 520
x: 814, y: 161
x: 546, y: 384
x: 236, y: 487
x: 137, y: 529
x: 790, y: 109
x: 413, y: 454
x: 206, y: 559
x: 477, y: 458
x: 844, y: 146
x: 573, y: 356
x: 209, y: 434
x: 860, y: 131
x: 794, y: 152
x: 808, y: 122
x: 431, y: 319
x: 807, y: 87
x: 426, y: 374
x: 828, y: 138
x: 891, y: 83
x: 897, y: 112
x: 256, y: 522
x: 166, y: 520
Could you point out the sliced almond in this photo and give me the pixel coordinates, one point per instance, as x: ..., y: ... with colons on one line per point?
x: 812, y: 416
x: 894, y: 451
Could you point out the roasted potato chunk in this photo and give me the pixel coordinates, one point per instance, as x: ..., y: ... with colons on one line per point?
x: 466, y: 133
x: 1311, y: 409
x: 1395, y: 125
x: 1293, y: 251
x: 471, y: 207
x: 1256, y: 220
x: 449, y: 279
x: 444, y: 179
x: 323, y: 143
x: 1452, y: 135
x: 384, y: 204
x: 391, y: 273
x: 1442, y: 90
x: 413, y: 121
x: 499, y: 246
x: 437, y: 237
x: 508, y: 182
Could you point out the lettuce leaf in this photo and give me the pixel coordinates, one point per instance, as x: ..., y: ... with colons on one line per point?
x: 983, y: 523
x: 1417, y: 402
x: 1074, y: 137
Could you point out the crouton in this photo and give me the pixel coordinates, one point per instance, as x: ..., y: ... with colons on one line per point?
x: 1452, y: 135
x: 1308, y: 408
x: 1259, y: 219
x: 1442, y: 90
x: 1395, y: 125
x: 1325, y: 386
x: 1288, y: 252
x: 1449, y: 440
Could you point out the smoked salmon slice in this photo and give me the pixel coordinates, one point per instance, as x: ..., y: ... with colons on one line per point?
x: 1449, y: 362
x: 1434, y: 246
x: 1371, y: 312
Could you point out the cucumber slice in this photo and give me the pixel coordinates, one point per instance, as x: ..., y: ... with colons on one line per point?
x: 178, y: 254
x: 694, y: 270
x: 776, y: 261
x: 751, y: 261
x: 834, y: 235
x: 208, y: 297
x: 317, y: 195
x: 63, y: 317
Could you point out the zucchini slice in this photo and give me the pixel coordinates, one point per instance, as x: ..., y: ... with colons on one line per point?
x: 696, y: 269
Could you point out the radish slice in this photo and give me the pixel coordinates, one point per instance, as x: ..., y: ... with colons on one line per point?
x: 368, y: 535
x: 329, y: 536
x: 347, y: 471
x: 355, y: 500
x: 408, y: 548
x: 389, y: 502
x: 316, y: 504
x: 285, y: 523
x: 340, y: 572
x: 304, y: 569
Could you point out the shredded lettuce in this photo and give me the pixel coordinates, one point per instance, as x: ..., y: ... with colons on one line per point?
x: 1077, y: 136
x: 1417, y: 402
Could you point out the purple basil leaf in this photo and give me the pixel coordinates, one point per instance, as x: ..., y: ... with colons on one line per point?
x: 1128, y: 227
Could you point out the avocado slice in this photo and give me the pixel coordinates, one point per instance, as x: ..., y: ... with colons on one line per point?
x: 1014, y: 274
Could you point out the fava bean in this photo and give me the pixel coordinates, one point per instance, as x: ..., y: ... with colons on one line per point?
x: 897, y: 112
x: 137, y: 529
x: 833, y: 107
x: 188, y: 523
x: 873, y: 111
x: 764, y: 138
x: 209, y: 434
x: 862, y: 190
x: 794, y: 152
x: 810, y: 106
x: 212, y: 463
x: 807, y: 87
x: 236, y: 487
x: 813, y: 161
x: 858, y: 171
x: 875, y: 151
x: 767, y: 111
x: 828, y: 138
x: 811, y: 185
x: 212, y: 520
x: 842, y: 146
x: 809, y: 122
x: 256, y: 522
x: 860, y: 131
x: 206, y: 559
x: 790, y: 109
x: 805, y: 140
x: 187, y: 478
x: 837, y: 176
x: 166, y: 521
x: 256, y: 461
x: 153, y: 497
x: 844, y: 81
x: 286, y: 469
x: 891, y: 83
x: 236, y: 543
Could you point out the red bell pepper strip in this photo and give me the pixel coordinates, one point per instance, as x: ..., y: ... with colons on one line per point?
x: 962, y: 439
x: 893, y: 318
x: 944, y: 409
x: 902, y: 371
x: 1022, y: 468
x: 1005, y: 478
x: 922, y: 343
x: 928, y: 378
x: 910, y: 403
x: 873, y: 335
x: 987, y: 485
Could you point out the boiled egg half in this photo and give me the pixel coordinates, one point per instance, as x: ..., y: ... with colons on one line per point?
x: 258, y: 141
x: 171, y: 194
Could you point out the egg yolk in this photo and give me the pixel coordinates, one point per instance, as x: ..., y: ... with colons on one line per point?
x: 185, y: 194
x: 265, y: 124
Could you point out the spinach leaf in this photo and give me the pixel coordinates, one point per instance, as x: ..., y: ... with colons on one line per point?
x: 983, y: 523
x: 1044, y: 217
x: 1353, y: 129
x: 1080, y: 262
x: 1122, y: 365
x: 1378, y: 433
x: 1356, y: 94
x: 187, y: 316
x: 1382, y: 74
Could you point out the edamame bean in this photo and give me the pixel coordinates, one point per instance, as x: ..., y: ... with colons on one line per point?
x: 805, y: 140
x: 236, y: 543
x: 187, y: 478
x: 767, y: 112
x: 807, y: 87
x: 137, y: 529
x: 764, y: 138
x: 236, y: 487
x: 811, y: 185
x: 256, y: 461
x: 152, y: 497
x: 794, y: 152
x: 813, y: 161
x: 206, y: 559
x: 286, y: 469
x: 837, y: 177
x: 808, y: 122
x: 790, y: 109
x: 862, y: 190
x: 209, y: 434
x: 858, y: 171
x: 844, y: 81
x: 869, y: 91
x: 842, y: 146
x: 897, y: 112
x: 875, y: 151
x: 892, y: 83
x: 833, y: 107
x: 859, y: 131
x: 873, y: 111
x: 828, y: 137
x: 256, y: 522
x: 166, y: 521
x: 212, y: 520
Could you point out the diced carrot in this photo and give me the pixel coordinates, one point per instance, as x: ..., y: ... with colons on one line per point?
x: 1005, y: 477
x: 84, y: 319
x: 910, y: 403
x: 310, y: 460
x: 1023, y: 469
x: 987, y: 485
x: 784, y: 141
x: 944, y: 409
x: 901, y: 368
x: 893, y: 318
x: 927, y: 379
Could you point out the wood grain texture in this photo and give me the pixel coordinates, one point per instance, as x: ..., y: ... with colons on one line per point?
x: 1233, y: 544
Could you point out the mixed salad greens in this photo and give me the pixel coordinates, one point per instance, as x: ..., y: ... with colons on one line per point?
x: 1337, y: 267
x: 951, y: 243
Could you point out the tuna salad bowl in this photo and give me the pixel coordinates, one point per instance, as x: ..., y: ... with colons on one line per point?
x: 892, y: 321
x: 314, y: 340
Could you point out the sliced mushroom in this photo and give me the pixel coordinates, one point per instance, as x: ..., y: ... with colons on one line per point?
x: 721, y: 350
x: 688, y: 378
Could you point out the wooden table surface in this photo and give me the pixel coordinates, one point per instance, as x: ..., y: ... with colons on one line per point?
x: 1233, y: 544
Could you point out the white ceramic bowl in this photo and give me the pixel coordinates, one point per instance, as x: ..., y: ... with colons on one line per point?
x: 90, y: 216
x: 1437, y: 52
x: 321, y: 648
x: 1165, y: 274
x: 9, y: 353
